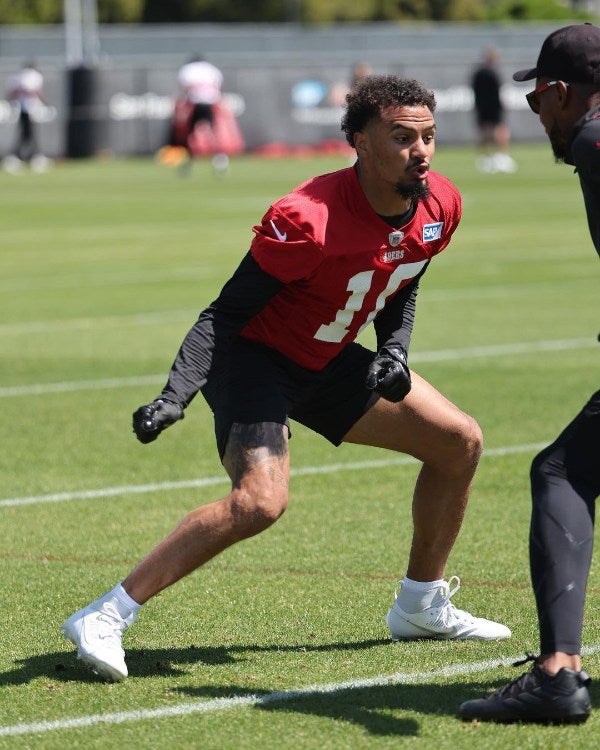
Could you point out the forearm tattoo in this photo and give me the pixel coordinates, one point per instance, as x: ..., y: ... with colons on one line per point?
x: 252, y: 444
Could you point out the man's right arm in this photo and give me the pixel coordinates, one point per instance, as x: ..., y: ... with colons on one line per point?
x: 242, y: 297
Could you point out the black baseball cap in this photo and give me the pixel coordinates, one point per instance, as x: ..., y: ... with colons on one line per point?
x: 570, y: 54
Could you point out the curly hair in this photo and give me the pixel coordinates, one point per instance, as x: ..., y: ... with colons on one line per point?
x: 373, y: 94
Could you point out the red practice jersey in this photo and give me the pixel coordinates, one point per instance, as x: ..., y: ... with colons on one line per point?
x: 340, y: 262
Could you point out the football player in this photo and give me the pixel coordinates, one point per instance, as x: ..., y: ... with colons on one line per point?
x: 338, y: 252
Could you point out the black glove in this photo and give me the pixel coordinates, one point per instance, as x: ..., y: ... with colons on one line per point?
x: 150, y: 420
x: 389, y: 374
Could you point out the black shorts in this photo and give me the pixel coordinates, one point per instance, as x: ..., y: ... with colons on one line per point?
x: 489, y: 118
x: 253, y: 383
x: 201, y: 113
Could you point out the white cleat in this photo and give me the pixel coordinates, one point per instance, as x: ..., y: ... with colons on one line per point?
x: 220, y: 163
x: 40, y: 163
x: 12, y: 164
x: 443, y: 621
x: 97, y: 630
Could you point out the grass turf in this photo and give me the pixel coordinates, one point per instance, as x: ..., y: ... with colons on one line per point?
x: 103, y: 268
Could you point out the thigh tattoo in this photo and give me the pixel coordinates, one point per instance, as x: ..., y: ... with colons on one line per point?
x: 251, y: 444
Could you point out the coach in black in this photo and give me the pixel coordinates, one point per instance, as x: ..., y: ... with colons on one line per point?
x: 565, y: 477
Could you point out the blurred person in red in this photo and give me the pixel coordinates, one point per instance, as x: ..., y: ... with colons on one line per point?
x: 203, y: 123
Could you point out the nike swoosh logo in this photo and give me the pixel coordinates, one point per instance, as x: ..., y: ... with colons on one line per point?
x: 280, y: 235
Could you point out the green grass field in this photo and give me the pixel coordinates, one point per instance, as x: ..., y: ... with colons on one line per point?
x: 280, y: 642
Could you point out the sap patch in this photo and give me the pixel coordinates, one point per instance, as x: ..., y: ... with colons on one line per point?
x: 432, y: 231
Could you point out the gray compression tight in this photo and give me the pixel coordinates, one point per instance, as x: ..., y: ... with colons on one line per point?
x: 565, y: 482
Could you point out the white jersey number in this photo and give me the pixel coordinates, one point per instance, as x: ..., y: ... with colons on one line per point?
x: 358, y: 286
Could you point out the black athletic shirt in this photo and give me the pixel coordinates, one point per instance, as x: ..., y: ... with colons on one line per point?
x: 486, y: 90
x: 584, y: 153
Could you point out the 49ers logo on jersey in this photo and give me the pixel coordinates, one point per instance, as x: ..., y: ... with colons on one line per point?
x: 389, y: 256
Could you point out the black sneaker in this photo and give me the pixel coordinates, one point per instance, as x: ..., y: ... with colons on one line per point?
x: 535, y: 696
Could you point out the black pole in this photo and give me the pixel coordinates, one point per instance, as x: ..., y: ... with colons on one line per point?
x: 82, y: 123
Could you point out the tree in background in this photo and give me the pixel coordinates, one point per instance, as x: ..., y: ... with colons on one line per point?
x: 534, y: 10
x: 341, y: 11
x: 52, y: 11
x: 31, y: 11
x: 302, y: 11
x: 216, y: 11
x: 120, y: 11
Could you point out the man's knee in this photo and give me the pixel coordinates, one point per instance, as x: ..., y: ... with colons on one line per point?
x: 255, y: 509
x: 547, y: 467
x: 466, y: 443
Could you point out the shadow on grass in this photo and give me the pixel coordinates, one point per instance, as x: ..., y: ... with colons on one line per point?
x: 373, y: 707
x: 63, y: 665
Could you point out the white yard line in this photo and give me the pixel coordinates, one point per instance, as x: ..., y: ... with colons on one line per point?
x: 86, y: 324
x: 137, y: 489
x: 500, y: 350
x: 277, y: 696
x: 66, y: 386
x: 439, y: 355
x: 96, y: 278
x: 241, y: 701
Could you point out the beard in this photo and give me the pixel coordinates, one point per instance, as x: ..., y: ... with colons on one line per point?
x: 412, y: 191
x: 558, y: 143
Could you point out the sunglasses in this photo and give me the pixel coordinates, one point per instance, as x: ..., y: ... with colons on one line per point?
x: 533, y: 96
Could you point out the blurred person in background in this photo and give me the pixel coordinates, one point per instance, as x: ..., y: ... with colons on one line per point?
x: 202, y: 123
x: 565, y: 476
x: 25, y: 89
x: 493, y: 132
x: 360, y: 70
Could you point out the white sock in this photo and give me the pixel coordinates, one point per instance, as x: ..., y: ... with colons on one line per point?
x: 408, y: 583
x: 126, y: 606
x: 415, y: 596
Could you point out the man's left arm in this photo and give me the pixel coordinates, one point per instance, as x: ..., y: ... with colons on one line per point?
x: 586, y: 157
x: 389, y: 374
